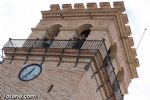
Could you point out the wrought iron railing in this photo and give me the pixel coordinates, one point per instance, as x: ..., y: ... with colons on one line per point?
x: 113, y: 78
x: 38, y: 43
x: 98, y: 45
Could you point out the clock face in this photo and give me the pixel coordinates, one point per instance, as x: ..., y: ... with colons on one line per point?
x: 30, y: 72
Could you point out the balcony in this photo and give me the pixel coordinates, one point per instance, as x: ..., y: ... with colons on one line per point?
x: 65, y: 48
x: 44, y: 43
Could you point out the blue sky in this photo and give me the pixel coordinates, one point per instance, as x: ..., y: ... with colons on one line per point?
x: 17, y: 17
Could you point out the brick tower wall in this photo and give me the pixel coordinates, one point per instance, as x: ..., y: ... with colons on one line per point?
x: 72, y: 83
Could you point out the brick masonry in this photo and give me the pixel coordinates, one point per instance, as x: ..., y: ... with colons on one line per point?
x: 74, y: 83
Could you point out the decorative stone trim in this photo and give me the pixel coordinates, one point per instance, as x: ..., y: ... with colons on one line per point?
x: 54, y: 7
x: 125, y: 19
x: 91, y: 10
x: 134, y: 52
x: 116, y: 5
x: 67, y: 29
x: 99, y: 29
x: 104, y: 5
x: 79, y: 6
x: 66, y: 7
x: 128, y: 30
x: 119, y: 5
x: 136, y: 61
x: 38, y: 29
x: 131, y: 42
x: 91, y: 6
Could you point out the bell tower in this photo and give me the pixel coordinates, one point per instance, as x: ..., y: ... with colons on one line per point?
x: 74, y: 53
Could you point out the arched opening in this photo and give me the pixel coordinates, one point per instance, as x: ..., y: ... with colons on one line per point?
x: 120, y: 75
x: 113, y: 51
x: 81, y: 34
x: 85, y: 33
x: 50, y: 35
x: 83, y: 30
x: 53, y: 31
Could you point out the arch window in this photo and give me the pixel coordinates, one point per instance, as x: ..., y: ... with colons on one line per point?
x: 50, y: 35
x: 53, y: 31
x: 113, y: 51
x: 81, y: 34
x: 120, y: 75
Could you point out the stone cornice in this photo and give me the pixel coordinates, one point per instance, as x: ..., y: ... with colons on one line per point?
x: 78, y: 13
x: 38, y: 29
x: 117, y: 5
x: 80, y: 10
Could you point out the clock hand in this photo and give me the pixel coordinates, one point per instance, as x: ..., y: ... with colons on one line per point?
x: 28, y: 73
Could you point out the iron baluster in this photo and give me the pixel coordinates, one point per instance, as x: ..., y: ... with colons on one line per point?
x: 117, y: 83
x: 62, y: 53
x: 12, y: 43
x: 97, y: 71
x: 88, y: 65
x: 13, y: 56
x: 30, y: 51
x: 44, y: 52
x: 102, y: 85
x: 77, y: 59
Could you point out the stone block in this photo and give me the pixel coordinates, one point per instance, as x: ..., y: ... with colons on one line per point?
x: 104, y: 5
x: 128, y: 30
x: 55, y: 7
x: 125, y: 19
x: 91, y: 6
x: 79, y: 6
x: 66, y: 6
x: 131, y: 42
x: 134, y: 52
x: 119, y: 5
x: 137, y: 64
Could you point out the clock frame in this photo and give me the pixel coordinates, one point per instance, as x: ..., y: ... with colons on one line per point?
x: 30, y: 72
